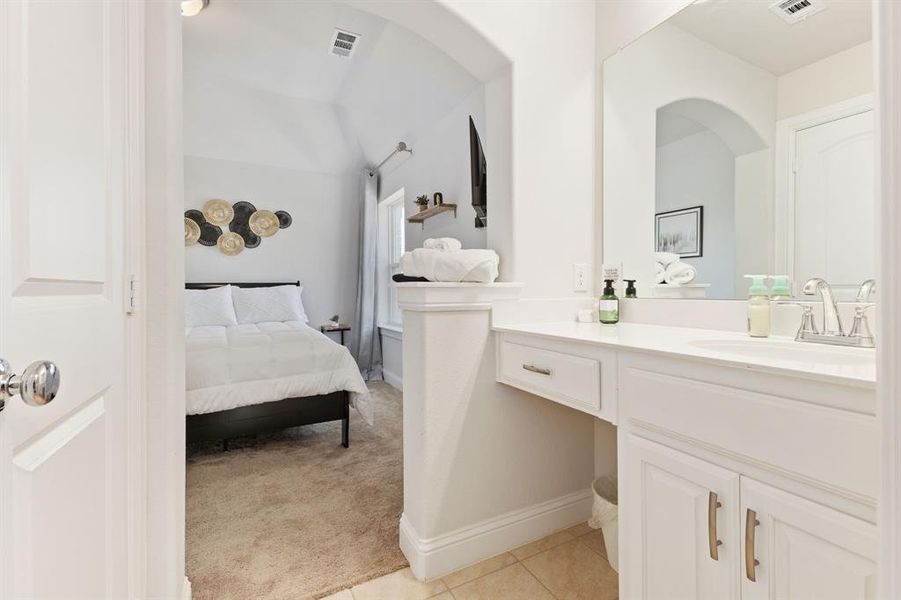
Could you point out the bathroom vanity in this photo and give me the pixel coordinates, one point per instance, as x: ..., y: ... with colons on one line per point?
x: 747, y: 468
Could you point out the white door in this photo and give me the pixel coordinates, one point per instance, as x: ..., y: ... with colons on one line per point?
x: 677, y: 508
x: 835, y: 203
x: 63, y: 470
x: 805, y: 551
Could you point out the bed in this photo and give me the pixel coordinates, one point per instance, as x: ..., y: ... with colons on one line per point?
x: 256, y: 375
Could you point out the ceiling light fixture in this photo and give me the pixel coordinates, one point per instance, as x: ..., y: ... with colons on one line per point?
x: 191, y: 8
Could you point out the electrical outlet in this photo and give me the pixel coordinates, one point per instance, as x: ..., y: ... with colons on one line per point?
x: 580, y: 277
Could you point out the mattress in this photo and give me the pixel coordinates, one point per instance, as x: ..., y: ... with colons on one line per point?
x: 240, y: 365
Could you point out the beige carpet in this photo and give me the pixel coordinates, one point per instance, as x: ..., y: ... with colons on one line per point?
x: 294, y: 514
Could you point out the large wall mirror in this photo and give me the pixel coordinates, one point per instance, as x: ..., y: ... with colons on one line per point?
x: 738, y: 139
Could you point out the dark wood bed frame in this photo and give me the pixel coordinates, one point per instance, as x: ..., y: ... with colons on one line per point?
x: 268, y: 416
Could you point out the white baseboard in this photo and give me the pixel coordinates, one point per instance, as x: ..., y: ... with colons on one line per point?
x: 186, y: 590
x: 393, y: 379
x: 438, y: 556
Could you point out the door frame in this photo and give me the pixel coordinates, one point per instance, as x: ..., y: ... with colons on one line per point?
x: 784, y: 210
x: 135, y: 324
x: 887, y: 41
x: 163, y: 281
x: 162, y: 285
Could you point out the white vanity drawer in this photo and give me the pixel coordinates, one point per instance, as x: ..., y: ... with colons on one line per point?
x: 790, y: 436
x: 571, y: 380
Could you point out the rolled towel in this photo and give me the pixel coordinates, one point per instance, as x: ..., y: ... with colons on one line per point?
x: 679, y: 273
x: 666, y: 258
x: 660, y: 274
x: 445, y: 243
x: 476, y: 266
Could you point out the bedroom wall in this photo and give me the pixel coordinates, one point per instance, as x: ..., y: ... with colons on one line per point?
x: 277, y: 152
x: 440, y: 163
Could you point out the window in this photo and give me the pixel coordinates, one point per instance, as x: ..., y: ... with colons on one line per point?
x: 391, y: 247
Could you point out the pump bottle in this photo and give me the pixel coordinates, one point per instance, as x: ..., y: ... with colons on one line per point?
x: 758, y: 307
x: 608, y: 305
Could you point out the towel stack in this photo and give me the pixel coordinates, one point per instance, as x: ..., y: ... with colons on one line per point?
x: 442, y: 244
x: 672, y: 271
x: 443, y: 259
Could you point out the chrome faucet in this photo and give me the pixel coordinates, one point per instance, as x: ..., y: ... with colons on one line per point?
x: 832, y: 324
x: 860, y: 335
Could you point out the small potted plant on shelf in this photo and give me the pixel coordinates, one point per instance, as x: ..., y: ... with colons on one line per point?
x: 423, y: 202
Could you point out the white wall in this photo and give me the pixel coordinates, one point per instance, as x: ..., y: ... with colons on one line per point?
x: 392, y: 356
x: 754, y: 233
x: 319, y: 248
x: 539, y: 73
x: 818, y: 84
x: 665, y: 66
x: 441, y: 164
x: 699, y: 169
x: 279, y: 153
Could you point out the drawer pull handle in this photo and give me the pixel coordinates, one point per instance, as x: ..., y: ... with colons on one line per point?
x: 751, y: 563
x: 539, y: 370
x: 712, y: 504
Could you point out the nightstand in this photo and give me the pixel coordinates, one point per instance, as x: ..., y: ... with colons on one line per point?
x: 339, y: 327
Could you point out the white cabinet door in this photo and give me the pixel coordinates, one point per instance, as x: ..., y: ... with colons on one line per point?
x: 805, y: 551
x: 63, y: 477
x: 669, y: 510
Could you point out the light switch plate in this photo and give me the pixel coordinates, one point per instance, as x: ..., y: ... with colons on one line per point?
x: 580, y: 277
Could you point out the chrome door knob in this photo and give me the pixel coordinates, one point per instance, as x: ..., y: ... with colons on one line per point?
x: 37, y: 385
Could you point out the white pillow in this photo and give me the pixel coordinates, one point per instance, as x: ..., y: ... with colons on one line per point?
x: 260, y: 305
x: 210, y: 307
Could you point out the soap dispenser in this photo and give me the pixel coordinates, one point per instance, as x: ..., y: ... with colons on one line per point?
x: 758, y: 307
x: 781, y: 290
x: 608, y: 305
x: 631, y: 292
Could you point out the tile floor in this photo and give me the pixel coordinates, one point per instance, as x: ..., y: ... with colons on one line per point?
x: 570, y: 564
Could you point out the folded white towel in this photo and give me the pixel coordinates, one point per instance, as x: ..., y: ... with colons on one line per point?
x: 660, y: 273
x: 665, y: 258
x: 445, y: 243
x: 477, y: 266
x: 679, y: 273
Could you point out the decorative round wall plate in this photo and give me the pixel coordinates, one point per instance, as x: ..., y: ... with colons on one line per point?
x: 284, y: 219
x: 192, y: 232
x: 230, y: 244
x: 264, y: 223
x: 218, y: 212
x: 209, y: 234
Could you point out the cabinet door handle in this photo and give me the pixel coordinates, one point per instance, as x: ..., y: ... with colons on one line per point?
x: 712, y: 504
x: 534, y: 369
x: 751, y: 563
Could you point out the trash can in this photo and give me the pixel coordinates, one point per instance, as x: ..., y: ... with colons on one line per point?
x: 604, y: 516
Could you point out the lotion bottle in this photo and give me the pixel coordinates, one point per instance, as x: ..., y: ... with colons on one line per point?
x: 758, y: 307
x: 608, y: 305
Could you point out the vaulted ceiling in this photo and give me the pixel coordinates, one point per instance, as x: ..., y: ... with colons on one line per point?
x: 395, y: 85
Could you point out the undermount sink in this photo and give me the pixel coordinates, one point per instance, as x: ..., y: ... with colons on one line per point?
x: 797, y: 352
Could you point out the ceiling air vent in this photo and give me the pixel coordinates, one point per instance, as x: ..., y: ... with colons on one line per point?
x: 344, y: 43
x: 793, y: 11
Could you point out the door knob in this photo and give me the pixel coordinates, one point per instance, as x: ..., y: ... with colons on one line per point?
x: 37, y: 385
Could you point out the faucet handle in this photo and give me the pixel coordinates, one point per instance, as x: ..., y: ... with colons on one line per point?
x: 808, y: 325
x: 867, y: 288
x: 861, y: 327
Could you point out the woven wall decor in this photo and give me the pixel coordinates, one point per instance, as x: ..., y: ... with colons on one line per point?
x: 244, y: 221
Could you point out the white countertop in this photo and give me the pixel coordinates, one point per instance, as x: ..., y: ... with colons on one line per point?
x: 855, y: 366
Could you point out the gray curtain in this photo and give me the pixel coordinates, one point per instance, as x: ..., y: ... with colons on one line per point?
x: 365, y: 341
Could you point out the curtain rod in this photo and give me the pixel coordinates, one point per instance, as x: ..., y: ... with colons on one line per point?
x: 401, y: 147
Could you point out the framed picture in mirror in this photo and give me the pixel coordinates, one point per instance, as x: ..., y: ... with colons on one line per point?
x: 681, y: 232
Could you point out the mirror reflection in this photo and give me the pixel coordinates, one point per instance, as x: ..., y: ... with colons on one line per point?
x: 738, y: 140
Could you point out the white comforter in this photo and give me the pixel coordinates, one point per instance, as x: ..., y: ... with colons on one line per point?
x: 240, y: 365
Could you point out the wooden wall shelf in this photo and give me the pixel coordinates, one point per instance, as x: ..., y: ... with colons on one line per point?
x: 421, y: 217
